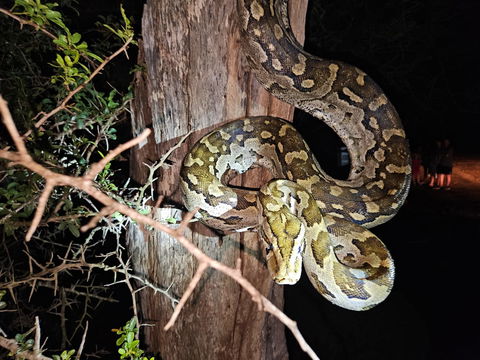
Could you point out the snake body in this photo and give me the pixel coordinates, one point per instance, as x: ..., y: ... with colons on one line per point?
x: 303, y: 215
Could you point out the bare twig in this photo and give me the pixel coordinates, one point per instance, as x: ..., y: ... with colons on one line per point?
x: 42, y: 203
x: 82, y: 344
x: 188, y: 291
x: 106, y: 211
x: 36, y: 344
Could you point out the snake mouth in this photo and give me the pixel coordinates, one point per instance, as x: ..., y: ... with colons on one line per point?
x: 286, y: 280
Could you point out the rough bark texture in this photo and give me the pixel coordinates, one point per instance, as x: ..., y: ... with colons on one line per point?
x: 196, y: 78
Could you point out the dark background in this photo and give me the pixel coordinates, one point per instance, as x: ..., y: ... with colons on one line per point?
x: 425, y: 55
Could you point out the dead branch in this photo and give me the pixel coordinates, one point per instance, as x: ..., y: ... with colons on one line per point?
x: 188, y: 291
x: 80, y: 348
x: 86, y: 185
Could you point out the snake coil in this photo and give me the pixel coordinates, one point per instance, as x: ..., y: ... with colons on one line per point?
x: 304, y: 215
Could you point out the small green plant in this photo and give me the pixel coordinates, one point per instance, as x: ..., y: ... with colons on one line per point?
x: 23, y: 343
x: 128, y: 343
x: 65, y: 355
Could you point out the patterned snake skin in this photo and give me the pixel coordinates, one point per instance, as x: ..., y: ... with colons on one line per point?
x: 304, y: 215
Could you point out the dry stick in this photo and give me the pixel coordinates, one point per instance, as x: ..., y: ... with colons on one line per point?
x: 98, y: 166
x: 188, y: 291
x: 132, y: 294
x: 82, y: 344
x: 42, y: 203
x: 106, y: 211
x: 36, y: 344
x: 12, y: 129
x: 204, y: 260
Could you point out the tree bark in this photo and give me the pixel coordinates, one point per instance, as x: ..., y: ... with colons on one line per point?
x: 196, y: 78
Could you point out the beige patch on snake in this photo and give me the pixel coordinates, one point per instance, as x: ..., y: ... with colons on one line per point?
x: 379, y: 154
x: 189, y: 161
x: 361, y: 77
x: 277, y: 65
x: 308, y: 83
x: 388, y: 133
x: 248, y: 128
x: 354, y: 97
x: 357, y: 217
x: 277, y: 30
x: 266, y: 134
x: 336, y: 190
x: 373, y: 123
x: 260, y: 53
x: 256, y: 10
x: 377, y: 102
x: 280, y: 147
x: 302, y: 155
x: 299, y: 68
x: 380, y: 184
x: 192, y: 178
x: 391, y: 168
x: 283, y: 130
x: 372, y: 207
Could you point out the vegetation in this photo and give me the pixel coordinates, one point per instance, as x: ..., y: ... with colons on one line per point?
x: 70, y: 117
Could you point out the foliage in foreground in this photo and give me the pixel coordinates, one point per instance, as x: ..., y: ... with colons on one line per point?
x: 70, y: 119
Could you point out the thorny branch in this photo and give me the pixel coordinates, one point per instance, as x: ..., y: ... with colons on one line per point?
x: 84, y: 183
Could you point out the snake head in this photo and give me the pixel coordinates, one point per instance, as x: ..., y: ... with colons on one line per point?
x: 283, y: 235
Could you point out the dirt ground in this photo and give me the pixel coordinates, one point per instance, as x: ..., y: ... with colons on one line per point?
x: 434, y: 303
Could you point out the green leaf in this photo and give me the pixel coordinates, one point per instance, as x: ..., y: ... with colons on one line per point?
x: 75, y: 38
x: 74, y: 229
x: 69, y: 61
x: 120, y: 341
x: 53, y: 15
x: 60, y: 60
x: 130, y: 337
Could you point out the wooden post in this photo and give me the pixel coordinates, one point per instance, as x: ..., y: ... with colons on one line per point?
x: 196, y: 78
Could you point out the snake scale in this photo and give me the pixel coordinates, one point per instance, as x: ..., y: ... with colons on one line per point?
x: 303, y: 215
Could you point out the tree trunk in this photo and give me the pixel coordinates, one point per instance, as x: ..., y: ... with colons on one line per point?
x: 196, y: 78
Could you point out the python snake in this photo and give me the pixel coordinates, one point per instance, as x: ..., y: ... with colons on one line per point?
x: 303, y: 215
